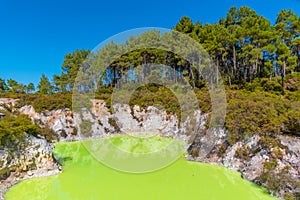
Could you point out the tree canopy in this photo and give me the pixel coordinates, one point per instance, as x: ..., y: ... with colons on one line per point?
x: 243, y: 44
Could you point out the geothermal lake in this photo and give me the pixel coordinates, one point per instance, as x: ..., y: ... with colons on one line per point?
x: 85, y: 178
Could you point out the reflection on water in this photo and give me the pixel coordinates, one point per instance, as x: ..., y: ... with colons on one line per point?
x: 84, y: 178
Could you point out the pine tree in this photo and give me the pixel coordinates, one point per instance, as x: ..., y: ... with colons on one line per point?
x: 70, y: 68
x: 3, y: 86
x: 30, y: 88
x: 44, y: 86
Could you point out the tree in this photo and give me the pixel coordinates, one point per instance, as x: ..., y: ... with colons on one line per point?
x: 70, y: 68
x: 288, y: 27
x: 44, y: 86
x: 285, y: 61
x: 3, y: 86
x: 60, y: 83
x: 15, y: 87
x: 244, y: 46
x: 30, y: 88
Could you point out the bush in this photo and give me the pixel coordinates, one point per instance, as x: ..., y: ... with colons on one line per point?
x: 114, y: 124
x: 48, y: 134
x: 13, y: 129
x: 292, y: 124
x: 293, y: 82
x: 271, y: 85
x: 243, y: 153
x: 4, y: 173
x: 195, y: 153
x: 250, y: 113
x: 86, y: 128
x: 42, y: 102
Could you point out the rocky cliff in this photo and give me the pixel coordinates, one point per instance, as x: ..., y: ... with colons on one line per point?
x: 277, y: 169
x: 31, y: 157
x: 34, y: 159
x: 99, y: 122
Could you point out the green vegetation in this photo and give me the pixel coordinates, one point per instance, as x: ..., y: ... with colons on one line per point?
x: 14, y: 128
x: 86, y: 127
x: 275, y: 181
x: 44, y: 86
x: 114, y: 124
x: 70, y: 67
x: 13, y: 86
x: 244, y: 45
x: 42, y: 102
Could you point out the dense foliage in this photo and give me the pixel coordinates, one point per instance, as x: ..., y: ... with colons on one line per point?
x: 13, y: 129
x: 258, y: 63
x: 244, y: 45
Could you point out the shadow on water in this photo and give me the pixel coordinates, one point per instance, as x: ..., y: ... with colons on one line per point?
x: 62, y: 160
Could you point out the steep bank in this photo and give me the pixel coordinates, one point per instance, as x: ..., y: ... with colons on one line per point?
x: 33, y: 160
x: 276, y: 169
x: 23, y: 155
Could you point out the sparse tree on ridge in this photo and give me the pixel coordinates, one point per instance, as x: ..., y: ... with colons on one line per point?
x: 44, y: 86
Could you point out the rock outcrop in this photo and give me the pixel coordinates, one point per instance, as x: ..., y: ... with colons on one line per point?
x: 277, y: 169
x: 33, y: 159
x: 99, y: 122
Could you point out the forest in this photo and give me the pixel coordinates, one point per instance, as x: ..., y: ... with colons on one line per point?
x: 259, y: 63
x: 244, y: 45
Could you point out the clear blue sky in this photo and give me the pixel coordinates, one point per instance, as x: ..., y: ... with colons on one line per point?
x: 35, y: 34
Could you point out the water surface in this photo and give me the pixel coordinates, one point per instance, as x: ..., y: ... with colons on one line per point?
x: 84, y: 178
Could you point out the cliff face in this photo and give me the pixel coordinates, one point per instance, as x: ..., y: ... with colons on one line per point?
x: 34, y: 159
x: 35, y: 155
x: 124, y: 120
x: 277, y: 169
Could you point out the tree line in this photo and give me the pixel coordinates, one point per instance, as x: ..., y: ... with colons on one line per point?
x: 244, y: 45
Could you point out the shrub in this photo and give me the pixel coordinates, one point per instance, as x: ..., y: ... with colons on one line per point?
x: 195, y: 153
x: 114, y: 124
x: 48, y: 134
x: 256, y: 112
x: 4, y: 173
x: 222, y: 149
x: 243, y: 153
x: 293, y: 82
x: 86, y: 128
x: 13, y: 129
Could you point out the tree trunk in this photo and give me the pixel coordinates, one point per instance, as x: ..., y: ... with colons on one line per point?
x: 245, y: 71
x: 228, y: 73
x: 282, y: 84
x: 115, y: 76
x: 282, y: 77
x: 234, y: 61
x: 255, y: 69
x: 192, y: 76
x: 298, y: 60
x: 175, y: 74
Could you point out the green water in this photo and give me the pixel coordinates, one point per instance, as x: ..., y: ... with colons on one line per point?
x: 85, y: 178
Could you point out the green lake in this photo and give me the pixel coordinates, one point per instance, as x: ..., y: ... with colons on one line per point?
x: 85, y: 178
